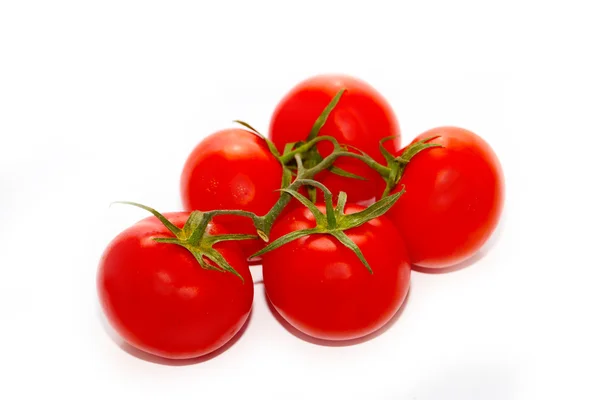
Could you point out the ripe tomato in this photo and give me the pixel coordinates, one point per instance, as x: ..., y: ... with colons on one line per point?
x: 320, y: 286
x: 232, y: 169
x: 361, y: 119
x: 159, y: 299
x: 453, y: 200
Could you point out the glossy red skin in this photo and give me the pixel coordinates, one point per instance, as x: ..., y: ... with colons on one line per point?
x: 453, y: 201
x: 161, y: 301
x: 232, y: 169
x: 321, y: 288
x: 361, y: 118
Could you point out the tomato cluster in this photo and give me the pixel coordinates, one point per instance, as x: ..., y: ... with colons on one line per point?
x: 330, y: 204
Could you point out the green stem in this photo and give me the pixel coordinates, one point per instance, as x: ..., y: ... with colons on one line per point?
x: 288, y: 157
x: 309, y: 162
x: 265, y: 223
x: 330, y: 214
x: 398, y: 164
x: 380, y: 169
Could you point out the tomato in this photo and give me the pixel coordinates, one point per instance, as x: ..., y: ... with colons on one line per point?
x: 232, y: 169
x: 361, y: 118
x: 159, y: 299
x: 453, y: 200
x: 320, y: 286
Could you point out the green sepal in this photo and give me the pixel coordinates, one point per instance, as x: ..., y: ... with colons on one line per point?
x: 386, y: 154
x: 290, y: 237
x: 397, y: 165
x: 272, y: 148
x: 192, y: 223
x: 212, y: 239
x: 193, y: 237
x: 270, y: 144
x: 346, y: 241
x: 341, y: 203
x: 324, y: 115
x: 200, y: 259
x: 172, y: 228
x: 289, y: 147
x: 327, y: 196
x: 373, y: 211
x: 219, y: 260
x: 418, y: 147
x: 166, y: 240
x: 319, y: 217
x: 338, y: 171
x: 247, y: 125
x: 333, y: 222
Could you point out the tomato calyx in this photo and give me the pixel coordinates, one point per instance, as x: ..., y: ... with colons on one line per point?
x: 195, y: 238
x: 302, y: 173
x: 334, y: 221
x: 397, y: 165
x: 308, y: 149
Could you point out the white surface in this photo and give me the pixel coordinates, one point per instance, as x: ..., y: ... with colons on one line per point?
x: 102, y: 101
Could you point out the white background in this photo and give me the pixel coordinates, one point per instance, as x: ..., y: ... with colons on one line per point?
x: 102, y: 101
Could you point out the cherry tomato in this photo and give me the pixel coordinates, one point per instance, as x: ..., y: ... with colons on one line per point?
x: 361, y: 118
x: 232, y: 169
x: 453, y: 200
x: 159, y: 299
x: 320, y: 286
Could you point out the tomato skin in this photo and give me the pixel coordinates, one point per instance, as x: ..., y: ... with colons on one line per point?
x: 361, y: 118
x: 232, y: 169
x: 453, y: 201
x: 321, y: 288
x: 159, y: 299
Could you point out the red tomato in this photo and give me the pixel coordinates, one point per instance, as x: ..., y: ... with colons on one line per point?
x: 453, y: 200
x: 232, y: 169
x: 320, y: 286
x: 159, y: 299
x: 361, y: 119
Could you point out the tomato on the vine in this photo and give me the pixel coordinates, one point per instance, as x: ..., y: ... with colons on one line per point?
x: 160, y: 300
x: 361, y: 119
x: 453, y: 200
x: 232, y: 169
x: 321, y: 287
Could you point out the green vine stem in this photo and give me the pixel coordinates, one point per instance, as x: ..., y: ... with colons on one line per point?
x: 302, y: 160
x: 391, y: 174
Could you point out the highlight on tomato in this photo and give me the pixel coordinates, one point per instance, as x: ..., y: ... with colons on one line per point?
x: 360, y: 119
x: 454, y: 198
x: 172, y: 290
